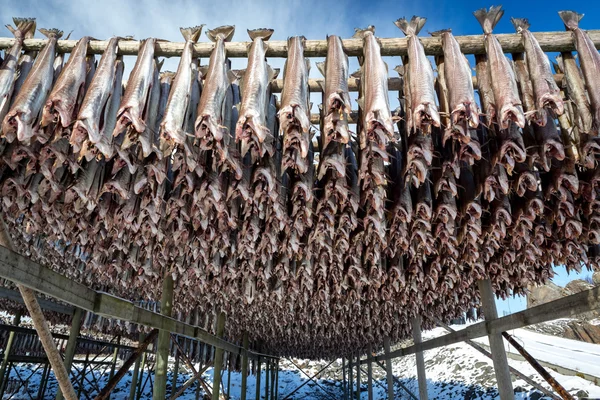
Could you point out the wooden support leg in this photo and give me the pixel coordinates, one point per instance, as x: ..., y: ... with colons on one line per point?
x: 136, y: 371
x: 71, y: 343
x: 267, y: 371
x: 113, y: 381
x: 358, y: 376
x: 11, y: 339
x: 416, y: 328
x: 258, y: 379
x: 350, y: 378
x: 370, y: 375
x: 218, y: 365
x: 40, y: 325
x: 82, y: 380
x: 175, y: 371
x: 244, y: 367
x: 496, y: 342
x: 388, y: 367
x: 344, y: 387
x: 164, y: 339
x: 113, y: 362
x: 277, y: 381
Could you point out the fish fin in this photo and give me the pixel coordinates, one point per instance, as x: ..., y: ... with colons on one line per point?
x: 386, y: 67
x: 239, y: 73
x: 25, y: 25
x: 570, y: 19
x: 321, y: 67
x: 68, y: 36
x: 489, y: 19
x: 203, y: 70
x: 261, y: 33
x: 520, y: 24
x: 356, y: 74
x: 399, y: 69
x: 51, y: 33
x: 11, y: 29
x: 320, y: 107
x: 232, y: 76
x: 159, y: 64
x: 361, y: 102
x: 225, y: 32
x: 440, y: 32
x: 192, y: 33
x: 273, y: 72
x: 360, y: 33
x: 558, y: 65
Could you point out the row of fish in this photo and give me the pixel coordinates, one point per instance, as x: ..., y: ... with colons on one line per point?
x: 205, y: 175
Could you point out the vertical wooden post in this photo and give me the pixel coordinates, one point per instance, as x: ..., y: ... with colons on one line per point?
x: 218, y: 364
x: 82, y: 380
x: 164, y: 339
x: 228, y: 366
x: 114, y: 359
x: 244, y: 366
x: 40, y: 324
x: 388, y: 368
x: 416, y: 328
x: 71, y: 344
x: 344, y: 383
x: 175, y: 371
x: 370, y: 374
x: 358, y: 376
x: 496, y: 342
x: 136, y: 370
x: 43, y: 381
x: 277, y: 381
x: 141, y: 376
x: 9, y: 343
x: 350, y: 378
x: 258, y: 379
x: 267, y: 371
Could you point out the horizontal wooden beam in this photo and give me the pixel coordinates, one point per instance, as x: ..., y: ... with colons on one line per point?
x: 511, y: 42
x: 46, y: 305
x: 569, y: 306
x: 23, y: 271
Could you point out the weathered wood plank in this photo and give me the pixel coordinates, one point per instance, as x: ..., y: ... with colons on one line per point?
x: 46, y: 305
x: 473, y: 44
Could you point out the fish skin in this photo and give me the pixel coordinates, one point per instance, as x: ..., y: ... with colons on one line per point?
x: 147, y: 138
x: 589, y: 59
x: 549, y: 142
x: 546, y: 91
x: 576, y: 91
x: 137, y: 91
x: 8, y: 69
x: 251, y: 128
x: 461, y: 95
x: 506, y: 95
x: 172, y: 127
x: 27, y: 107
x: 210, y: 126
x: 377, y: 119
x: 97, y: 98
x: 336, y: 98
x: 294, y: 113
x: 424, y: 110
x: 68, y: 90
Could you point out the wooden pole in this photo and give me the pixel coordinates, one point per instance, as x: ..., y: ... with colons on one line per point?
x: 358, y: 376
x: 136, y: 370
x: 141, y: 376
x: 416, y: 328
x: 82, y: 380
x: 496, y: 343
x: 244, y: 367
x: 71, y: 343
x: 114, y: 359
x: 389, y: 372
x: 258, y: 379
x: 40, y: 324
x: 370, y: 376
x: 398, y: 381
x: 9, y: 343
x: 228, y: 380
x: 350, y: 378
x: 175, y: 369
x: 190, y: 365
x: 190, y: 382
x: 474, y: 44
x: 164, y: 339
x: 135, y: 355
x: 267, y: 372
x: 541, y: 370
x: 344, y: 382
x: 218, y: 364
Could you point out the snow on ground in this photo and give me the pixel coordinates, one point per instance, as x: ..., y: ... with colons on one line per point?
x: 453, y: 372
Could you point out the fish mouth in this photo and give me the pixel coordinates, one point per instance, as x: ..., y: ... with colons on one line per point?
x: 512, y: 113
x: 425, y: 115
x: 554, y: 102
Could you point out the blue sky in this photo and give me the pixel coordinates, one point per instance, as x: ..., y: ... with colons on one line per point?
x: 311, y: 18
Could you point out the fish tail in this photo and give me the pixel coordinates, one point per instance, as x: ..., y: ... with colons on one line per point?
x: 570, y: 19
x: 412, y: 27
x: 261, y: 33
x: 192, y: 33
x: 440, y: 32
x: 25, y: 27
x: 489, y: 19
x: 51, y: 33
x: 520, y: 24
x: 224, y: 32
x: 360, y: 33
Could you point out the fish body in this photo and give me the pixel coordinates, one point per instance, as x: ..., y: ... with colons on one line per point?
x: 374, y: 102
x: 8, y: 69
x: 92, y: 114
x: 459, y: 83
x: 138, y: 90
x: 589, y: 59
x: 27, y: 107
x: 294, y: 114
x: 576, y: 91
x: 69, y: 89
x: 210, y: 125
x: 173, y: 124
x: 424, y: 110
x: 507, y: 105
x: 251, y: 128
x: 546, y: 92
